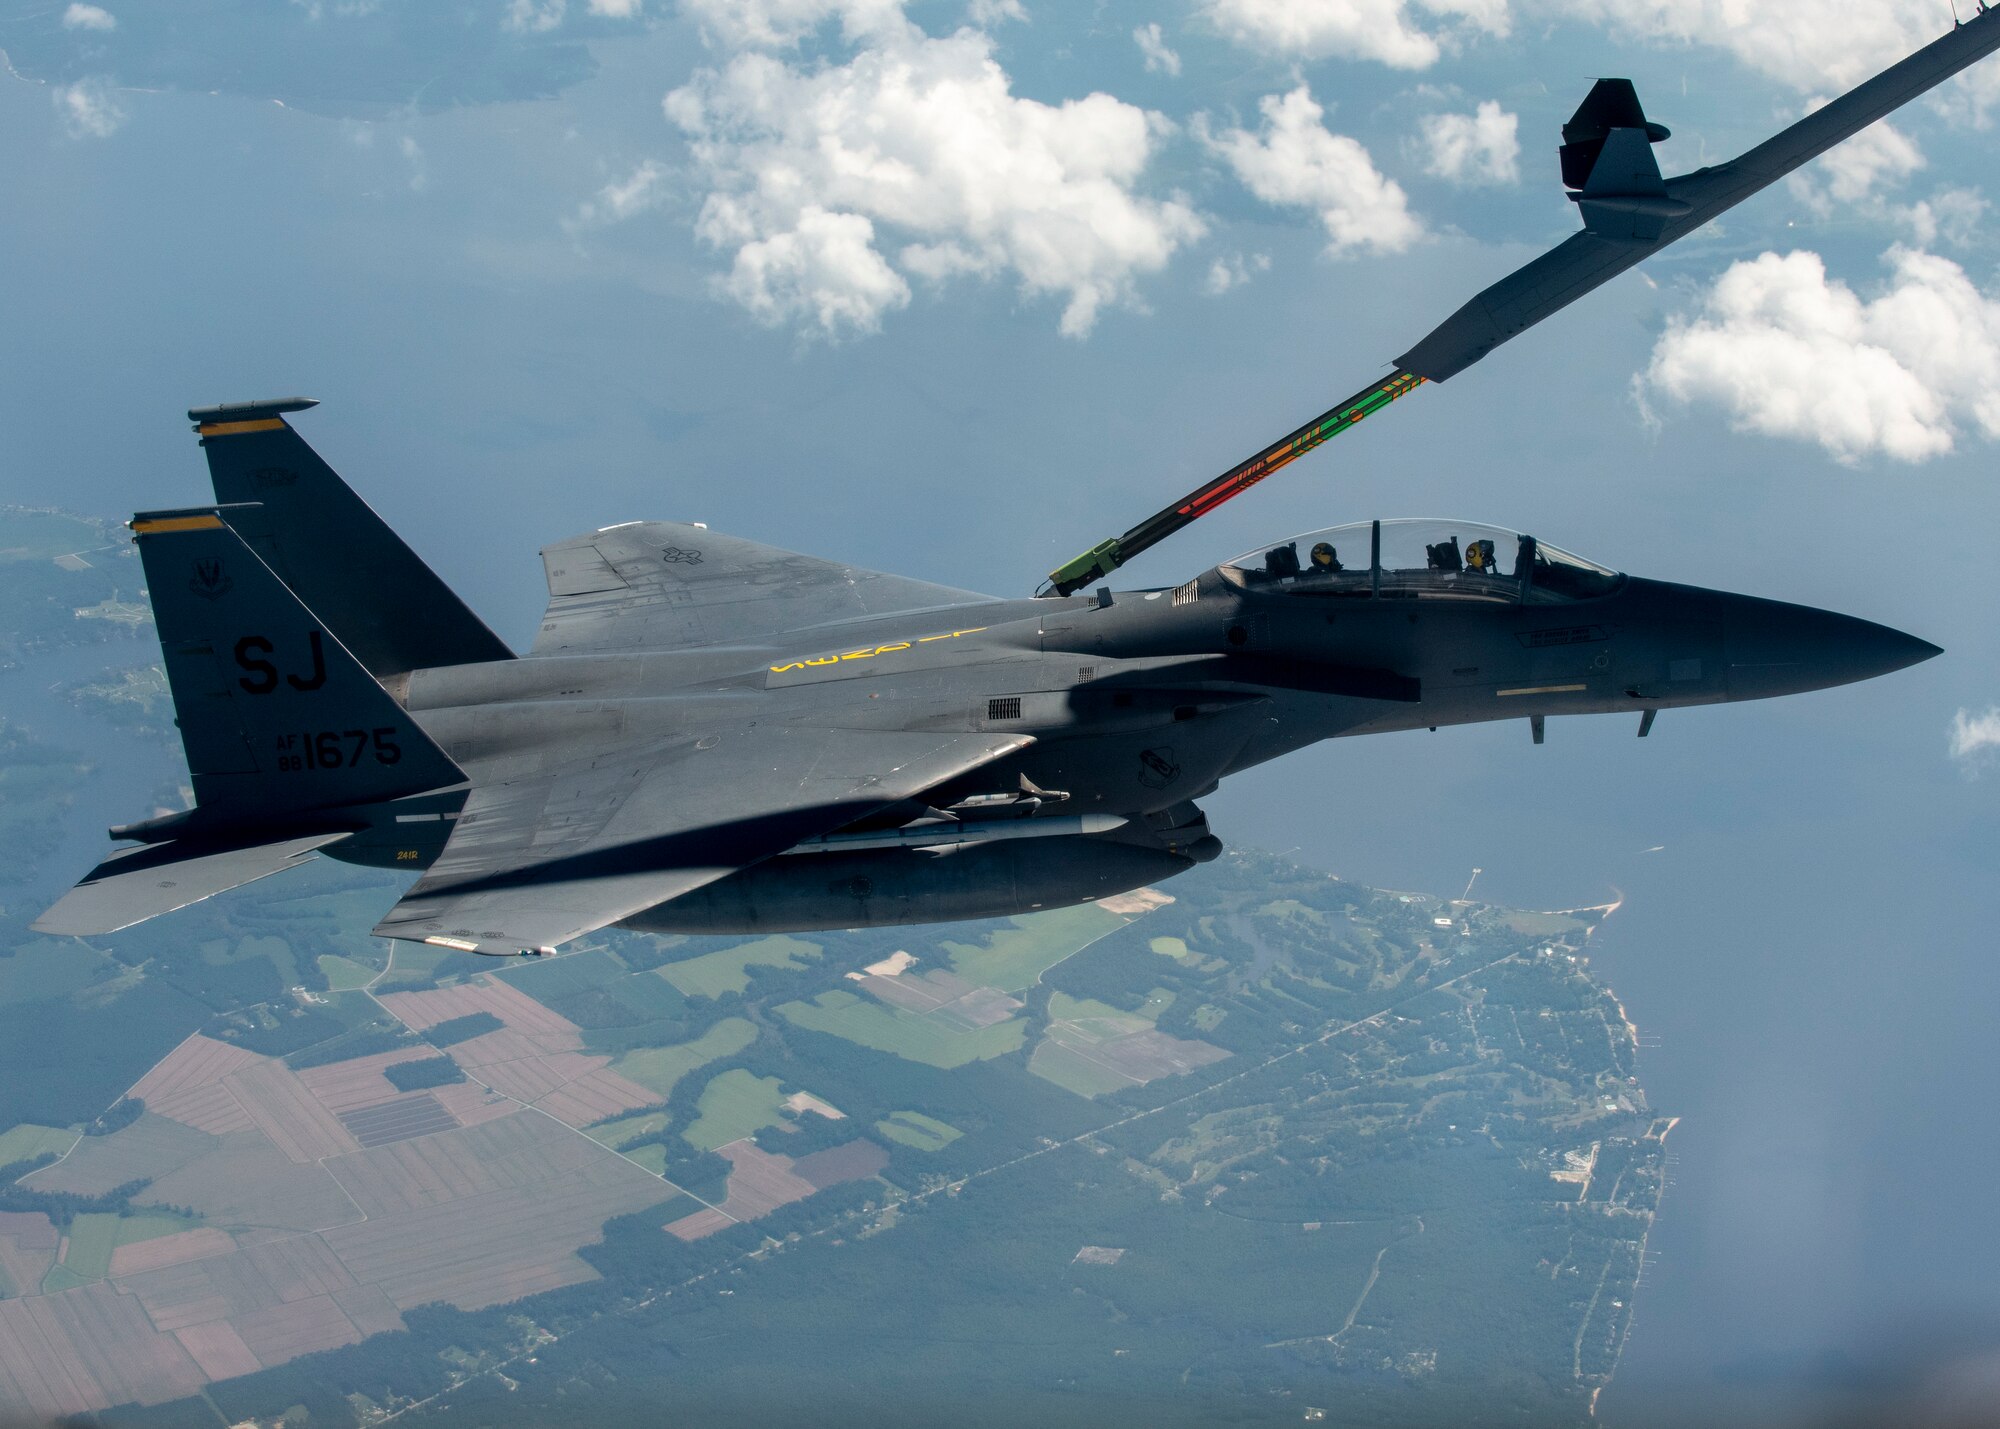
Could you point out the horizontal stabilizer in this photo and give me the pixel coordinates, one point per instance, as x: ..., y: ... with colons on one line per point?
x: 135, y: 884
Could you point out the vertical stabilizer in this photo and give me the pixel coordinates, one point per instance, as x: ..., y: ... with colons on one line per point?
x: 277, y: 717
x: 323, y: 541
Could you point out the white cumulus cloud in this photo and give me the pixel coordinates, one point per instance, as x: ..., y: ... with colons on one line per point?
x: 1391, y: 32
x: 620, y: 199
x: 533, y: 17
x: 917, y: 147
x: 780, y: 24
x: 1975, y: 738
x: 1855, y: 172
x: 1233, y: 272
x: 413, y: 155
x: 1809, y: 45
x: 1153, y: 45
x: 616, y: 9
x: 1483, y: 147
x: 1951, y: 214
x: 1788, y: 352
x: 88, y: 109
x: 1295, y: 161
x: 89, y: 17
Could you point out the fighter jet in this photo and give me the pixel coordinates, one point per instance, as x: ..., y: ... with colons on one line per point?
x: 710, y: 735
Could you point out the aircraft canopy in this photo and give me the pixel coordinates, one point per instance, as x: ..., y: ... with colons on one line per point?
x: 1423, y: 559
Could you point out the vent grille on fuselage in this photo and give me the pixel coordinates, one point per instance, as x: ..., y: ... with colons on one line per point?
x: 1006, y: 707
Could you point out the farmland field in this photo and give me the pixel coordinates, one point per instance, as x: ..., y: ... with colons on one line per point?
x: 344, y: 974
x: 909, y: 1035
x: 728, y: 971
x: 92, y: 1238
x: 1015, y: 956
x: 913, y: 1128
x: 27, y: 1141
x: 658, y: 1068
x: 735, y: 1105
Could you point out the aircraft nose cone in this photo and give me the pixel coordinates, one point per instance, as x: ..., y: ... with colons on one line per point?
x: 1777, y: 649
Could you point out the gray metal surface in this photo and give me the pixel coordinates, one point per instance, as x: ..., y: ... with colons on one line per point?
x: 135, y: 884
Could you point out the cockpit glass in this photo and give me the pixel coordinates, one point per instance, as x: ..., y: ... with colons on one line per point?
x: 1421, y: 559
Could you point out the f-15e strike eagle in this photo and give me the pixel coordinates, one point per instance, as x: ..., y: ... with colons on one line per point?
x: 711, y: 735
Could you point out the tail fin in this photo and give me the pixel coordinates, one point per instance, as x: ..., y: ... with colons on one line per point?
x: 277, y: 717
x: 323, y: 541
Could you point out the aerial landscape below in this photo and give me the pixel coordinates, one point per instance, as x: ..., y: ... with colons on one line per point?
x: 1218, y: 1144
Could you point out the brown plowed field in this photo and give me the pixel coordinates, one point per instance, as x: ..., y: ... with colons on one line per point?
x: 408, y: 1175
x: 289, y: 1114
x: 497, y: 1245
x: 759, y: 1182
x: 369, y: 1309
x: 299, y: 1268
x: 529, y: 1079
x: 475, y: 1215
x: 471, y: 1103
x: 218, y: 1349
x: 418, y: 1114
x: 27, y: 1248
x: 539, y: 1028
x: 210, y: 1107
x: 247, y: 1182
x: 86, y: 1349
x: 349, y: 1086
x: 850, y: 1161
x: 706, y: 1221
x: 299, y: 1328
x: 595, y: 1096
x: 196, y: 1062
x: 167, y: 1250
x: 506, y: 1045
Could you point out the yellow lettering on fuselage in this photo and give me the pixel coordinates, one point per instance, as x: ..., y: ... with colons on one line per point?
x: 871, y: 652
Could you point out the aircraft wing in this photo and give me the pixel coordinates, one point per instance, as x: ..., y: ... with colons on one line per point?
x: 1630, y: 213
x: 534, y: 862
x: 661, y: 585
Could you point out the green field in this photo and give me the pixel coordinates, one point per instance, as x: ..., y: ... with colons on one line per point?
x: 626, y: 1129
x: 1101, y: 1019
x: 92, y: 1238
x: 1016, y: 957
x: 653, y: 1158
x: 546, y: 979
x: 716, y: 974
x: 907, y: 1035
x: 61, y: 1277
x: 27, y: 1141
x: 735, y: 1105
x: 344, y: 974
x: 1072, y: 1072
x: 660, y: 1067
x: 45, y: 968
x: 415, y: 963
x: 913, y: 1128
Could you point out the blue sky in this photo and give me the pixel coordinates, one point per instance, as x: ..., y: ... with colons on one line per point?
x: 959, y: 291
